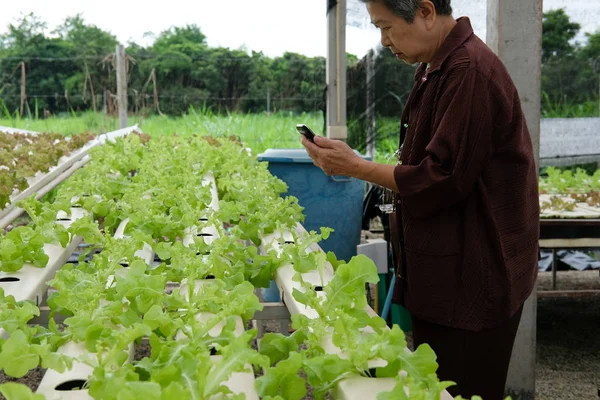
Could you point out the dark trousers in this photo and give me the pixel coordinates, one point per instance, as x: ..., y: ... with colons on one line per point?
x: 476, y: 361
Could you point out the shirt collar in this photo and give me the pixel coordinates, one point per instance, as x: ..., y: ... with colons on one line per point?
x: 457, y: 36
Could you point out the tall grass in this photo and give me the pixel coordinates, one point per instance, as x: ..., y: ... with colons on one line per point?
x: 566, y: 109
x: 66, y: 124
x: 258, y: 131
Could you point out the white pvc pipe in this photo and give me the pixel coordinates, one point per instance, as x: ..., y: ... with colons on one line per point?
x: 82, y: 371
x: 239, y: 382
x: 359, y: 388
x: 12, y: 131
x: 79, y: 372
x: 29, y: 283
x: 40, y: 181
x: 146, y: 253
x: 209, y: 179
x: 210, y: 232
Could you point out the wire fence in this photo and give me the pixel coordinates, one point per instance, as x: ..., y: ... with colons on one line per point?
x: 38, y: 87
x: 234, y: 81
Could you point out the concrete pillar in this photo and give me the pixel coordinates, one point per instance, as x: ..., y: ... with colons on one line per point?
x: 336, y: 70
x: 514, y: 33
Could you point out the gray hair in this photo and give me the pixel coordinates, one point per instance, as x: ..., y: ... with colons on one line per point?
x: 407, y: 9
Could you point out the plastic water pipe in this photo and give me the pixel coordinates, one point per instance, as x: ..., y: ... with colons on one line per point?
x: 388, y: 299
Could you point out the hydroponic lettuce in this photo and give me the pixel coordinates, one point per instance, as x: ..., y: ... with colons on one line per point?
x: 22, y: 156
x: 567, y: 181
x: 25, y: 244
x: 27, y: 346
x: 343, y: 321
x: 160, y: 187
x: 16, y: 391
x: 109, y: 307
x: 579, y: 186
x: 114, y: 300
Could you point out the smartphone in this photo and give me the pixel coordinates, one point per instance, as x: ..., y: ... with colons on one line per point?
x: 305, y: 130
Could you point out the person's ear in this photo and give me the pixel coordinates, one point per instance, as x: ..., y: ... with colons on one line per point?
x: 427, y: 13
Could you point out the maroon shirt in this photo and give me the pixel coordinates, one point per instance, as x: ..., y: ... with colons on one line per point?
x: 468, y: 190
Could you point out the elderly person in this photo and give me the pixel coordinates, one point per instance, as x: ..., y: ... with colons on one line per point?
x: 466, y: 194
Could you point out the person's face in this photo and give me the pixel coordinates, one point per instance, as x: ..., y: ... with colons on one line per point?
x: 408, y: 42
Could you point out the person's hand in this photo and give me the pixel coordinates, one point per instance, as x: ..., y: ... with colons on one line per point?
x: 334, y: 157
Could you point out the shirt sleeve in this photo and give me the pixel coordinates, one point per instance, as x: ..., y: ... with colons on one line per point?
x: 461, y: 144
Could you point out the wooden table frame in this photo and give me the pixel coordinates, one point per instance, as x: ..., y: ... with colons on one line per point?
x: 568, y: 234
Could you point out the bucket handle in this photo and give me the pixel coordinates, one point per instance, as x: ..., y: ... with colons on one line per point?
x: 341, y: 178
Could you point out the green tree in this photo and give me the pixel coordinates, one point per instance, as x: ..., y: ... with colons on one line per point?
x: 568, y: 80
x: 557, y: 32
x: 174, y: 56
x: 88, y: 40
x: 48, y: 63
x: 591, y: 50
x: 19, y: 36
x: 261, y: 83
x: 179, y: 67
x: 188, y: 40
x: 393, y: 82
x: 590, y: 53
x: 298, y: 81
x: 91, y: 45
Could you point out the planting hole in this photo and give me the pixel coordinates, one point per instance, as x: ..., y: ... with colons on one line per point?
x: 318, y: 288
x: 124, y: 265
x: 373, y: 372
x: 205, y: 234
x: 63, y: 219
x: 210, y: 277
x: 213, y: 351
x: 203, y: 219
x: 289, y: 242
x: 9, y: 279
x: 75, y: 384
